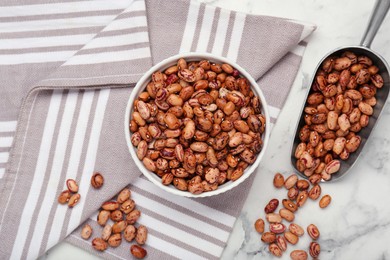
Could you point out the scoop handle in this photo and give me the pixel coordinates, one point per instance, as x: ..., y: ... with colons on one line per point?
x: 377, y: 16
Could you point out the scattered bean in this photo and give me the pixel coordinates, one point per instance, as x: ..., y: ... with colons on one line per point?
x: 72, y: 185
x: 74, y: 199
x: 268, y: 237
x: 86, y: 232
x: 123, y: 195
x: 313, y: 231
x: 110, y: 205
x: 281, y: 242
x: 119, y: 226
x: 142, y: 234
x: 138, y: 252
x: 315, y: 192
x: 291, y: 181
x: 271, y: 206
x: 274, y: 218
x: 291, y: 238
x: 129, y: 233
x: 115, y: 240
x: 288, y: 204
x: 275, y: 250
x: 292, y: 193
x: 286, y: 214
x: 314, y: 249
x: 64, y: 197
x: 133, y: 216
x: 259, y: 225
x: 103, y: 217
x: 106, y: 232
x: 298, y: 255
x: 97, y: 180
x: 277, y: 228
x: 325, y: 201
x: 99, y: 244
x: 278, y: 180
x: 296, y: 229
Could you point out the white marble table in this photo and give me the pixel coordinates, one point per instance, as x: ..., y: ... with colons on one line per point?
x: 357, y: 223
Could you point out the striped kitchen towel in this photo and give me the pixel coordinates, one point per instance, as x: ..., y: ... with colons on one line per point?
x: 67, y: 68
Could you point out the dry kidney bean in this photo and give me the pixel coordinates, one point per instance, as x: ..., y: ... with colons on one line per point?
x: 292, y: 193
x: 303, y: 184
x: 278, y: 180
x: 313, y: 231
x: 103, y: 217
x: 315, y: 178
x: 291, y: 238
x: 274, y: 218
x: 72, y: 185
x: 291, y: 206
x: 99, y: 244
x: 315, y: 192
x: 97, y: 180
x: 64, y: 197
x: 259, y: 225
x: 302, y: 197
x: 291, y: 181
x: 127, y: 206
x: 268, y: 237
x: 325, y: 201
x: 296, y: 229
x: 277, y: 228
x: 180, y: 184
x: 198, y: 108
x: 167, y: 178
x: 106, y: 232
x: 110, y: 205
x: 119, y: 226
x: 133, y: 216
x: 124, y: 195
x: 138, y: 252
x: 115, y: 240
x: 129, y: 233
x: 286, y: 214
x: 298, y: 255
x: 116, y: 215
x: 271, y: 206
x: 86, y: 232
x: 314, y: 249
x: 341, y: 101
x: 74, y: 199
x: 281, y: 242
x: 275, y: 250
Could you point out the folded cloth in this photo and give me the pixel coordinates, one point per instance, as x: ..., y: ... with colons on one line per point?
x: 73, y: 64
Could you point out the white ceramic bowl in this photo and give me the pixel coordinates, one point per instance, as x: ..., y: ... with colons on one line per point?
x: 140, y: 87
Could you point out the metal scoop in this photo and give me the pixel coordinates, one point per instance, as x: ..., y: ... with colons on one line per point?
x: 376, y: 19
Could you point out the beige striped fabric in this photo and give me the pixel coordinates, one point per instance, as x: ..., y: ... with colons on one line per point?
x: 67, y: 70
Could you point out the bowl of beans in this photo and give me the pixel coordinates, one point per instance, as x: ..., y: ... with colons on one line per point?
x: 196, y: 124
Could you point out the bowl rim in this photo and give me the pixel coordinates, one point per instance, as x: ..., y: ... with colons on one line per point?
x: 141, y: 85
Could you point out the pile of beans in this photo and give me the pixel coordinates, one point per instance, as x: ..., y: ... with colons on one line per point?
x: 121, y: 212
x: 279, y: 235
x: 124, y: 215
x: 339, y: 106
x: 197, y: 125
